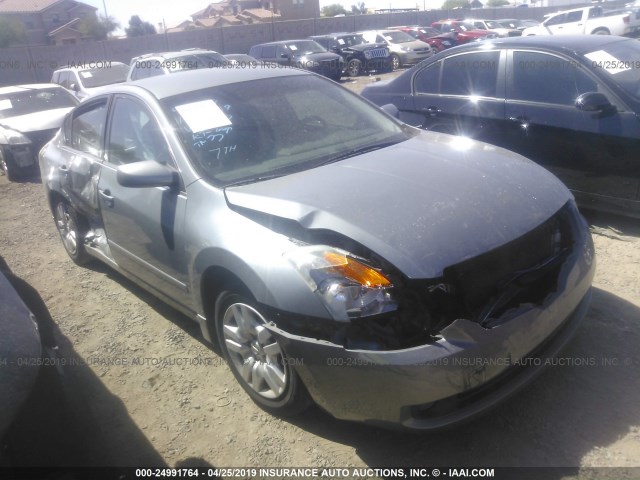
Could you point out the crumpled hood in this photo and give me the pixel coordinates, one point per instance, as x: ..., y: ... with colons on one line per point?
x: 424, y: 204
x: 33, y: 122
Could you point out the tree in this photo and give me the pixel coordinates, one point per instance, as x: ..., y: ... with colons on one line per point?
x: 333, y: 10
x: 497, y: 3
x: 451, y: 4
x: 97, y: 28
x: 358, y: 9
x: 11, y: 32
x: 138, y: 28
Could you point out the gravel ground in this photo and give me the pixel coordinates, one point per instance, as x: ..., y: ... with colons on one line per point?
x: 140, y: 387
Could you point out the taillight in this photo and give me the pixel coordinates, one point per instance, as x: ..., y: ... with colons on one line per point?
x: 626, y: 18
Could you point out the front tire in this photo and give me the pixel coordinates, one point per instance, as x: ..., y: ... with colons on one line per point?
x: 9, y: 167
x: 395, y: 61
x: 256, y: 358
x: 70, y: 228
x: 354, y: 68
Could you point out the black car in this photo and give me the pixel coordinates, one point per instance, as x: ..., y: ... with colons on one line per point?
x: 360, y: 57
x: 570, y: 104
x: 305, y: 54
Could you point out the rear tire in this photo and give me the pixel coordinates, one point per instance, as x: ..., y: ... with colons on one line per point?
x: 601, y: 31
x: 255, y: 357
x: 72, y: 230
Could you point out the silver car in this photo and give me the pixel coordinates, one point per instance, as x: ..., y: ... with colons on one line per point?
x: 391, y: 275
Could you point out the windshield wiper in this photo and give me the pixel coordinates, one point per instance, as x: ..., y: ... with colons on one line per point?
x: 261, y: 178
x: 357, y: 151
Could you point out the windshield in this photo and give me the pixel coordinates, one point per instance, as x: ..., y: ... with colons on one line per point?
x: 303, y: 47
x: 31, y: 101
x: 397, y: 37
x: 98, y: 77
x: 465, y: 27
x: 350, y: 40
x: 620, y: 61
x: 492, y: 24
x: 250, y: 131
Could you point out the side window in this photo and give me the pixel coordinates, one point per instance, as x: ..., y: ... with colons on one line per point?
x: 427, y: 80
x: 574, y: 16
x: 471, y: 74
x: 87, y: 128
x: 269, y: 51
x: 557, y: 20
x: 134, y: 135
x: 380, y: 39
x: 479, y: 25
x: 565, y: 78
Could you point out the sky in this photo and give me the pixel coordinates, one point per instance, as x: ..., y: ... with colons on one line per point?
x: 173, y: 12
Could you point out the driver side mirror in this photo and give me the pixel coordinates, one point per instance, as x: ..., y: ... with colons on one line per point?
x: 391, y: 109
x: 594, y: 102
x: 74, y: 87
x: 146, y: 174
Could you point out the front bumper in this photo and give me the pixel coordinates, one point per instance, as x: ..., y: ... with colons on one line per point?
x: 412, y: 58
x: 464, y: 373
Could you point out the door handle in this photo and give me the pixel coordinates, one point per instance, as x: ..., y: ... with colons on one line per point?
x: 522, y: 120
x: 432, y: 111
x: 107, y: 198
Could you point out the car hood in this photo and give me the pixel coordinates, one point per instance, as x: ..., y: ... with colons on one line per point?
x: 366, y: 46
x: 33, y: 122
x: 423, y: 204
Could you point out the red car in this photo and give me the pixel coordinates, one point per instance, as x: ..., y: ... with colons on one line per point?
x: 437, y: 39
x: 466, y: 31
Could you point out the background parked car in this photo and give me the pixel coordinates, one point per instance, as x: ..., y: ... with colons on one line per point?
x: 359, y: 56
x: 84, y: 81
x: 405, y: 50
x: 584, y: 21
x: 153, y: 64
x: 494, y: 26
x: 585, y: 128
x: 29, y: 117
x: 466, y: 32
x: 436, y: 39
x: 305, y: 54
x: 241, y: 60
x: 517, y: 23
x: 257, y: 201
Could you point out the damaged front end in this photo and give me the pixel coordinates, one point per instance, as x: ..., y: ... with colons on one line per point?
x: 450, y: 339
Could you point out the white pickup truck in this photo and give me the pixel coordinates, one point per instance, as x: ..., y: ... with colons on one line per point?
x: 587, y: 20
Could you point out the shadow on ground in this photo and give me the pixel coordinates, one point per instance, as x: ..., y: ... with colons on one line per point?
x: 70, y: 418
x: 589, y: 401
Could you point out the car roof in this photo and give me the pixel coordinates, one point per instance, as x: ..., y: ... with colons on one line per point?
x: 77, y: 68
x: 573, y: 43
x: 176, y: 53
x: 283, y: 42
x: 24, y: 88
x: 163, y: 86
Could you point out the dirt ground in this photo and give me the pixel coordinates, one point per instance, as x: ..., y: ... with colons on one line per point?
x: 140, y: 387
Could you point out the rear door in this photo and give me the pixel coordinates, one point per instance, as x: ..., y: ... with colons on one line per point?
x: 83, y: 149
x: 144, y: 226
x: 462, y: 94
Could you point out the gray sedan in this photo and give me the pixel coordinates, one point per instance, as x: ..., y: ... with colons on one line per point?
x: 391, y: 275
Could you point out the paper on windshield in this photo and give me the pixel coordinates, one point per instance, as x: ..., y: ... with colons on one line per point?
x: 203, y: 115
x: 86, y: 74
x: 293, y: 47
x: 5, y: 104
x: 608, y: 62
